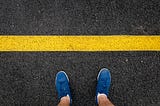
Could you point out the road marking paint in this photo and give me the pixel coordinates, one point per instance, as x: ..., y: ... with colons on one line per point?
x: 79, y: 43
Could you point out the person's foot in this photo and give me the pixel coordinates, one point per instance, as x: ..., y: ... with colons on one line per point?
x: 62, y: 85
x: 103, y: 83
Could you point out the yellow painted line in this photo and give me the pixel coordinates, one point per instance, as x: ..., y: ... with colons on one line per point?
x: 80, y: 43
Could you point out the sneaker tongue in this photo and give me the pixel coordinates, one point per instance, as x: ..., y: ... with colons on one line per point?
x: 104, y: 81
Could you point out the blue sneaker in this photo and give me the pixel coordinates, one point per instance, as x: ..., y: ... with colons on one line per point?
x: 103, y: 82
x: 62, y: 85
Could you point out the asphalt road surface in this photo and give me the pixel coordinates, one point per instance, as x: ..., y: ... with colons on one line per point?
x: 80, y: 17
x: 27, y: 78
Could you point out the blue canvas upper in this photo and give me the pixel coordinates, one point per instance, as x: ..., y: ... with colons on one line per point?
x: 62, y: 85
x: 103, y: 82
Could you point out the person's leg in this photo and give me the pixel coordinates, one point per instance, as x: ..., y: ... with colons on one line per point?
x: 63, y: 89
x: 102, y: 90
x: 104, y: 101
x: 65, y: 101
